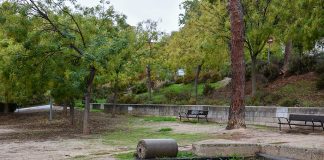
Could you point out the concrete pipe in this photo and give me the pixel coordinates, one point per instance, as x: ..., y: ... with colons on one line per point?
x: 157, y: 148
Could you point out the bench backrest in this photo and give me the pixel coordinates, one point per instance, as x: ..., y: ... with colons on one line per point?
x: 306, y: 117
x: 197, y: 112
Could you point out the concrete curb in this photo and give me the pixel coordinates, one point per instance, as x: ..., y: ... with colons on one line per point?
x: 226, y: 148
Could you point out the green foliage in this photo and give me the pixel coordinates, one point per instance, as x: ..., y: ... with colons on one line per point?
x: 289, y: 102
x: 160, y: 119
x: 208, y: 89
x: 302, y: 64
x: 271, y: 71
x: 139, y: 88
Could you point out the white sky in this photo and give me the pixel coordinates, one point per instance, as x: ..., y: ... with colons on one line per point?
x: 165, y: 11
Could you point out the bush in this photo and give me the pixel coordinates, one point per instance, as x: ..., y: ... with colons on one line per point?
x: 189, y: 78
x: 208, y: 89
x: 209, y: 76
x: 271, y: 72
x: 139, y: 88
x: 302, y: 64
x: 289, y: 102
x: 320, y: 82
x: 173, y: 96
x: 128, y: 99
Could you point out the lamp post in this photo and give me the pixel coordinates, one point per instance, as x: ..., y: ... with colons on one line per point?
x: 270, y: 40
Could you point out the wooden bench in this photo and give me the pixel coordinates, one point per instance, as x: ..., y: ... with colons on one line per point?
x: 199, y: 114
x: 308, y: 119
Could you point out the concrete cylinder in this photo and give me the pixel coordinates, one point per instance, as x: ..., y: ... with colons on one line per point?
x: 157, y: 148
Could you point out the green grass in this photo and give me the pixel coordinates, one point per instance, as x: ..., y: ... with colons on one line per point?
x: 96, y: 110
x: 160, y: 96
x: 130, y: 155
x: 125, y: 156
x: 186, y: 154
x: 130, y: 137
x: 160, y: 119
x: 165, y: 129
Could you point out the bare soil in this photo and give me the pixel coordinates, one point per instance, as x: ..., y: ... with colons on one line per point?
x: 32, y: 136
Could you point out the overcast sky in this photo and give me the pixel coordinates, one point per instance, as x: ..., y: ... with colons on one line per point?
x: 139, y: 10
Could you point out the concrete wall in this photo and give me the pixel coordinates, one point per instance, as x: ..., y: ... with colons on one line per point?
x: 262, y: 115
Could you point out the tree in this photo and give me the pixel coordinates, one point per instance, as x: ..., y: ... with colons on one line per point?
x: 82, y: 36
x: 201, y: 45
x: 150, y: 35
x: 236, y: 117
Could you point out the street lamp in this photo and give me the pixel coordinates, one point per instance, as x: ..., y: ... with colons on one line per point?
x: 270, y: 40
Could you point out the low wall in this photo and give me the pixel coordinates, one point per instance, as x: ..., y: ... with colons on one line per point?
x: 262, y: 115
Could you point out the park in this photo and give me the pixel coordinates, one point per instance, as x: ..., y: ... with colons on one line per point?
x: 232, y: 80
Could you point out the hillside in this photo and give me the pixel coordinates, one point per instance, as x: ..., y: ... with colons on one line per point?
x: 296, y: 90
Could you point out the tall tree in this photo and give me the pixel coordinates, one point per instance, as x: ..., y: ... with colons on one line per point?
x: 81, y: 35
x: 150, y: 35
x: 236, y: 117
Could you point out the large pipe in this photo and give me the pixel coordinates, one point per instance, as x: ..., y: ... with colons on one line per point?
x: 157, y: 148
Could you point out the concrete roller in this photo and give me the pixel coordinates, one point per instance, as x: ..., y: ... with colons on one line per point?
x: 157, y: 148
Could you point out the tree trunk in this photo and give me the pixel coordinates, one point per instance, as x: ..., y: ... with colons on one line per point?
x: 65, y: 109
x: 6, y: 108
x: 115, y: 96
x: 6, y: 104
x: 197, y: 81
x: 236, y: 117
x: 92, y: 73
x: 149, y: 82
x: 253, y: 75
x: 288, y: 53
x: 72, y: 112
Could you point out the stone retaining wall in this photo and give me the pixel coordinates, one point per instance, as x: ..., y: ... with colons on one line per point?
x: 262, y: 115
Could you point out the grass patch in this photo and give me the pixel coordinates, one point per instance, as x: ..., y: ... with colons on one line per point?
x: 165, y: 129
x: 185, y: 154
x: 130, y: 155
x: 160, y: 119
x: 130, y: 137
x: 125, y: 156
x: 96, y: 110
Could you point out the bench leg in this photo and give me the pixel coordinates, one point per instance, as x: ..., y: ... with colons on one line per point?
x: 279, y: 126
x: 289, y: 125
x: 198, y: 118
x: 313, y: 126
x: 206, y: 119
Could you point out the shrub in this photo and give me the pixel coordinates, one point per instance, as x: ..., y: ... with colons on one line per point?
x: 174, y: 96
x: 210, y: 76
x: 208, y: 89
x: 271, y: 72
x: 302, y: 64
x: 128, y: 99
x: 189, y: 78
x: 139, y: 88
x: 289, y: 102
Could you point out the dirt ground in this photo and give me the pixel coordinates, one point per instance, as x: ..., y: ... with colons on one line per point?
x: 32, y: 136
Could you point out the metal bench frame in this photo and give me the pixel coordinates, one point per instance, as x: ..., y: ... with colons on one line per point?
x: 316, y: 120
x: 199, y: 114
